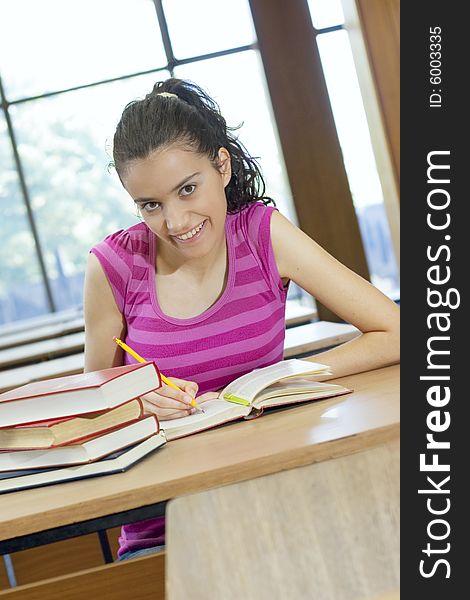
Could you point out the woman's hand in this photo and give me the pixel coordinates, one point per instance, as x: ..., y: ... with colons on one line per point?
x: 168, y: 403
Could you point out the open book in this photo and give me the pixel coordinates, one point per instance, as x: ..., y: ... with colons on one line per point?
x: 247, y: 396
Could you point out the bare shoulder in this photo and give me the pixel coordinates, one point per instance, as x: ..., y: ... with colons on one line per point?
x: 98, y: 294
x: 332, y: 283
x: 94, y: 270
x: 292, y: 247
x: 279, y: 223
x: 103, y: 319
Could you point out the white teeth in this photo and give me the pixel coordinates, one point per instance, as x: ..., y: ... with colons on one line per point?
x: 189, y: 234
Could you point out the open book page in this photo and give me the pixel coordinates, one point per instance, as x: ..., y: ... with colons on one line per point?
x: 296, y: 390
x: 249, y: 385
x: 216, y: 412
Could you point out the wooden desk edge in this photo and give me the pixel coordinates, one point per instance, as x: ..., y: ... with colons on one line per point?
x: 223, y: 476
x: 286, y: 458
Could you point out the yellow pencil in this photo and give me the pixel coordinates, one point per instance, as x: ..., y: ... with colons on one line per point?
x: 133, y: 353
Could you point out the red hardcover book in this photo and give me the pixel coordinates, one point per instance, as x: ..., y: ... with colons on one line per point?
x: 77, y: 394
x: 69, y: 430
x: 122, y: 460
x: 89, y: 451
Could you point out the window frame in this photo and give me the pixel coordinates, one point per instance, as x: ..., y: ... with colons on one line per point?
x: 305, y: 125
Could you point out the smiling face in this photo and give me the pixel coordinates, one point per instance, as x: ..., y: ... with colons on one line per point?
x: 181, y: 197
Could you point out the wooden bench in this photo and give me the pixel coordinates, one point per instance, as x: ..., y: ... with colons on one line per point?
x: 141, y: 579
x: 45, y: 332
x: 44, y: 350
x: 57, y: 367
x: 25, y: 325
x: 60, y: 324
x: 311, y: 337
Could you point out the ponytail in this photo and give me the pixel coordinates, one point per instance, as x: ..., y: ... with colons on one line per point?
x: 179, y: 112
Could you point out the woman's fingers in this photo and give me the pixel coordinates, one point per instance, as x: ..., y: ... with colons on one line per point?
x: 168, y: 403
x: 167, y: 396
x: 166, y: 413
x: 190, y: 387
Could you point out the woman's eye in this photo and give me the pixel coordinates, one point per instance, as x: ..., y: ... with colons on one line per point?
x: 187, y: 189
x: 149, y: 207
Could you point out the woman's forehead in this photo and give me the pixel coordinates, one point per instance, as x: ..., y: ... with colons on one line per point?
x: 174, y: 157
x: 164, y: 169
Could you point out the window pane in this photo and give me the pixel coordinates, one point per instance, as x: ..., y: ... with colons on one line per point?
x: 64, y: 142
x: 208, y: 25
x: 326, y: 13
x: 225, y: 80
x: 22, y: 292
x: 359, y: 161
x: 52, y: 44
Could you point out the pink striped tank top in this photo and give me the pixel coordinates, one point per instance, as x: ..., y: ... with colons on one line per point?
x: 243, y: 330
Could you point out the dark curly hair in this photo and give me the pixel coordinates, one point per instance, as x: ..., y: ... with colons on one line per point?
x: 192, y: 119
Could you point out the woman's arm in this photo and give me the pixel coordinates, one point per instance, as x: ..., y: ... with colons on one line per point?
x: 346, y: 294
x: 103, y: 321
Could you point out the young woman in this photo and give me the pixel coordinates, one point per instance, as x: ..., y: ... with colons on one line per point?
x: 200, y: 284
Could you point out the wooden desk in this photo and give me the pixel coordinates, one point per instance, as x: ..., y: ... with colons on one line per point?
x: 297, y: 314
x: 314, y: 337
x: 60, y: 324
x: 45, y: 332
x: 48, y: 341
x: 300, y: 340
x: 37, y: 351
x: 238, y: 452
x: 48, y: 369
x: 329, y: 531
x: 41, y: 321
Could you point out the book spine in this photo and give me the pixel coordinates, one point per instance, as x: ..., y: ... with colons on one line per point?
x: 143, y: 366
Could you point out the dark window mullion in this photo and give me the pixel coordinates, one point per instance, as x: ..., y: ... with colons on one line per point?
x: 176, y: 62
x: 219, y: 53
x: 27, y: 201
x: 172, y: 63
x: 84, y: 86
x: 165, y: 36
x: 328, y: 29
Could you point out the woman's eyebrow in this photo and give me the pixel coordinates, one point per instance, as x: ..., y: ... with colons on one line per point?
x: 185, y: 180
x: 177, y: 186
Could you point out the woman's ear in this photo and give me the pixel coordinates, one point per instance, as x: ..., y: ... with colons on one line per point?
x: 224, y: 165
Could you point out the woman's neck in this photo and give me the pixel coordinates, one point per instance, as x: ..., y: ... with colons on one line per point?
x: 169, y: 260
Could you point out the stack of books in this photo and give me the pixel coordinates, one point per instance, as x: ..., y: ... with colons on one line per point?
x: 77, y: 426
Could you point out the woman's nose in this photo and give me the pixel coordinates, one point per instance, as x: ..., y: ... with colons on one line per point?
x: 175, y: 219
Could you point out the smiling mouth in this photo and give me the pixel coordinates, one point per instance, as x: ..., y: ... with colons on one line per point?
x: 189, y: 234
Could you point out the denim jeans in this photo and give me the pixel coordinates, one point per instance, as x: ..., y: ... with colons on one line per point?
x: 142, y: 552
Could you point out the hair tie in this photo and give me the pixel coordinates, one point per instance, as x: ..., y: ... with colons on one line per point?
x: 167, y: 95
